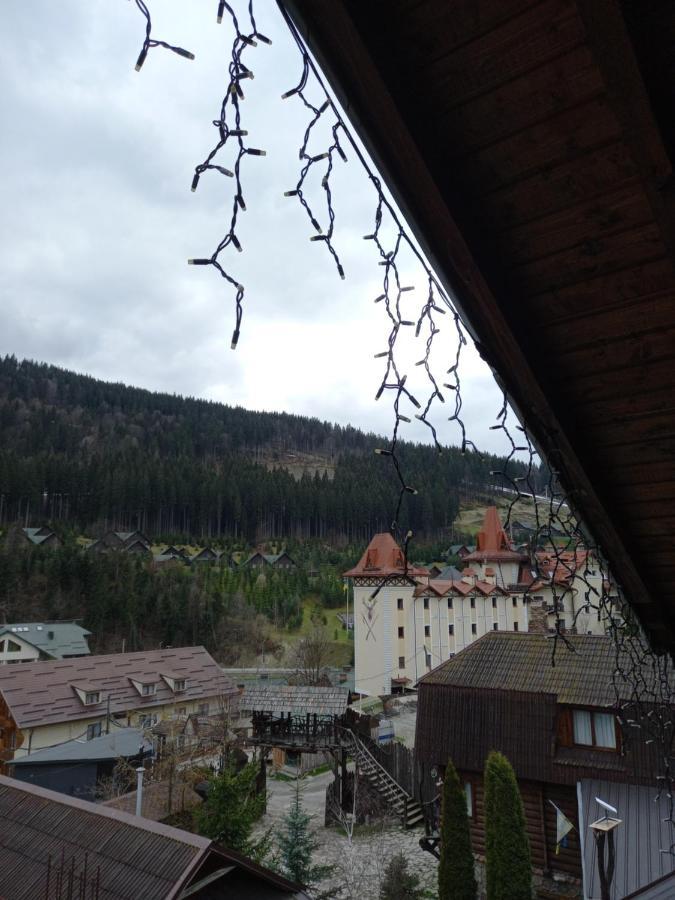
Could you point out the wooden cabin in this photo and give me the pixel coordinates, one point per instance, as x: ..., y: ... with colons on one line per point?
x: 559, y: 726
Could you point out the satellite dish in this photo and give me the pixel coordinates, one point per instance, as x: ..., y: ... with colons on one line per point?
x: 607, y: 806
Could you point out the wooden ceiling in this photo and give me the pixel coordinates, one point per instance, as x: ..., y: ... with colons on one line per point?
x: 530, y: 144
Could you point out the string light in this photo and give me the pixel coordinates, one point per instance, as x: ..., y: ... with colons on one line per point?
x: 560, y: 551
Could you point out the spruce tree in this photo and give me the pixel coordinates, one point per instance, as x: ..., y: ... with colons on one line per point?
x: 507, y: 849
x: 297, y: 846
x: 456, y: 877
x: 231, y: 809
x: 398, y: 883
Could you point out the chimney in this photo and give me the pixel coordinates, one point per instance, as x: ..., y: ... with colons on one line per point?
x: 537, y: 616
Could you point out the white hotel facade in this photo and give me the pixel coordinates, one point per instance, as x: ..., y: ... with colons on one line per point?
x: 406, y: 624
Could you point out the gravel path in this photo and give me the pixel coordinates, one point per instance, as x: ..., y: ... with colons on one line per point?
x: 359, y: 864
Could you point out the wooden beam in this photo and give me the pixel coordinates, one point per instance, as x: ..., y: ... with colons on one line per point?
x: 609, y: 39
x: 334, y: 39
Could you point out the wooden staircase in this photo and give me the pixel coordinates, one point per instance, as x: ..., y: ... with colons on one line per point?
x: 407, y: 809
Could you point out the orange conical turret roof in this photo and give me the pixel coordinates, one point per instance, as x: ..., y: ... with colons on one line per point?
x: 492, y: 535
x: 492, y: 541
x: 383, y: 556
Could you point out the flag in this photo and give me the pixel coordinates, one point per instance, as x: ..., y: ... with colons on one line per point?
x: 563, y: 826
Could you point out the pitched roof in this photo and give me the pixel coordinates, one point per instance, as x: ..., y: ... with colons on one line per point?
x: 297, y: 699
x: 43, y: 692
x: 510, y: 661
x: 127, y: 856
x: 56, y: 639
x: 120, y: 742
x: 492, y: 542
x: 383, y: 556
x: 449, y: 573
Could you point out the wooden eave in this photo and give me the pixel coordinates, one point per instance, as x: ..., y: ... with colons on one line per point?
x: 530, y: 145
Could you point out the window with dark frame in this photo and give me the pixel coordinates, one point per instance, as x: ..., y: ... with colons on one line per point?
x: 426, y: 603
x: 449, y: 602
x: 515, y: 626
x: 474, y: 629
x: 401, y: 662
x: 473, y: 603
x: 399, y: 603
x: 93, y: 731
x: 427, y: 631
x: 514, y: 601
x: 451, y: 629
x: 401, y: 631
x: 494, y: 603
x: 594, y: 729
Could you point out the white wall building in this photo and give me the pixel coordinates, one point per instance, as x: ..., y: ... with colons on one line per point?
x: 405, y: 623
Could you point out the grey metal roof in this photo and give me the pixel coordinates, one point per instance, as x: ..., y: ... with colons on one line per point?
x: 56, y: 639
x: 638, y: 840
x: 120, y: 742
x: 583, y: 673
x: 449, y: 573
x: 130, y: 857
x: 296, y: 699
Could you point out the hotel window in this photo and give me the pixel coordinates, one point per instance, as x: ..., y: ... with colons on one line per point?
x: 473, y: 603
x: 495, y: 627
x: 93, y: 731
x: 428, y: 657
x: 474, y: 630
x: 514, y: 600
x: 401, y: 632
x: 449, y: 602
x: 494, y: 603
x: 426, y: 603
x: 515, y: 626
x: 427, y: 631
x: 399, y: 603
x: 401, y: 662
x: 451, y: 629
x: 592, y: 729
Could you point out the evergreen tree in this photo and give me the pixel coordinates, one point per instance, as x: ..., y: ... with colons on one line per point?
x: 456, y: 877
x: 231, y: 809
x: 398, y: 883
x: 297, y: 846
x: 507, y: 850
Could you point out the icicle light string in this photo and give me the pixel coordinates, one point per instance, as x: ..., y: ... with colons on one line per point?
x: 562, y: 556
x: 229, y: 126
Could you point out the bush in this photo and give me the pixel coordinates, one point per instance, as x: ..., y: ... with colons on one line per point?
x: 508, y: 868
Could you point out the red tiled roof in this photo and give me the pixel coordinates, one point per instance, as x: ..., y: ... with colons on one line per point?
x: 43, y: 693
x: 383, y: 556
x: 442, y: 588
x: 492, y: 542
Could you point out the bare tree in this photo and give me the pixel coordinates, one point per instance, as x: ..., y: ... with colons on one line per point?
x: 311, y: 656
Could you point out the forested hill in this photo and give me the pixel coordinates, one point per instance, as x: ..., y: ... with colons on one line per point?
x: 96, y: 455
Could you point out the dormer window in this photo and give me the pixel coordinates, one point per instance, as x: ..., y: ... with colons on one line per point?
x: 88, y: 694
x: 594, y: 729
x: 144, y: 688
x: 178, y: 684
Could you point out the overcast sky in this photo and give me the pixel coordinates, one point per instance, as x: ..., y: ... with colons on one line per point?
x: 99, y: 221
